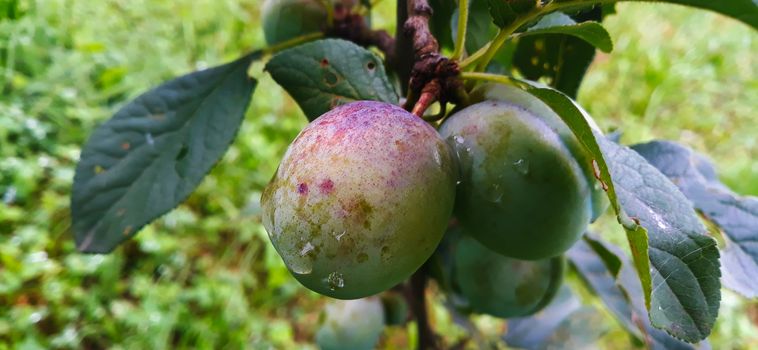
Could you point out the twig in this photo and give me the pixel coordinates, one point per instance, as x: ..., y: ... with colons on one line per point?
x: 403, y: 47
x: 416, y: 297
x: 433, y: 77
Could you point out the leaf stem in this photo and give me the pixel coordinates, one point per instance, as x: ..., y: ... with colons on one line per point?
x: 460, y: 42
x: 497, y: 78
x: 505, y: 32
x: 329, y: 12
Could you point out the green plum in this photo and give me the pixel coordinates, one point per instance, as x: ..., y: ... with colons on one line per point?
x: 360, y: 200
x: 288, y: 19
x: 351, y: 325
x: 504, y: 287
x: 527, y: 188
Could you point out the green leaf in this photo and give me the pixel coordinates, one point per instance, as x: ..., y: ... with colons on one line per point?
x: 620, y: 291
x: 154, y: 152
x: 502, y: 12
x: 577, y: 120
x: 743, y: 10
x: 327, y: 73
x: 439, y: 24
x: 736, y: 216
x: 560, y: 58
x: 684, y: 262
x: 677, y: 263
x: 480, y: 29
x: 560, y: 23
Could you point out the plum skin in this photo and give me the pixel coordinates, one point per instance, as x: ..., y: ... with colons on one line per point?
x: 504, y: 287
x: 527, y: 190
x: 360, y: 200
x: 351, y: 324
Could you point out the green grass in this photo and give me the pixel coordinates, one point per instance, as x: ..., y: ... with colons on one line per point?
x: 206, y: 274
x: 683, y: 75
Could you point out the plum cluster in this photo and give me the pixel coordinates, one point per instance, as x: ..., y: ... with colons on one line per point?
x: 366, y: 192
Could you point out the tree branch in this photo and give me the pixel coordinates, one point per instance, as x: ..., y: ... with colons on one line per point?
x: 433, y: 77
x: 403, y: 47
x: 416, y: 297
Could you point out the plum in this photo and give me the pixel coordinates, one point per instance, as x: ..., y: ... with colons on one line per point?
x: 527, y: 188
x: 351, y: 324
x: 360, y: 200
x: 287, y: 19
x: 504, y: 287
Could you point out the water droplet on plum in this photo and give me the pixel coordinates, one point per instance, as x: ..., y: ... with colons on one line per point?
x: 521, y: 166
x: 335, y: 281
x: 306, y: 249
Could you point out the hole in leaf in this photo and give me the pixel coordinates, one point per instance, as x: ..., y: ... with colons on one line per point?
x: 371, y: 65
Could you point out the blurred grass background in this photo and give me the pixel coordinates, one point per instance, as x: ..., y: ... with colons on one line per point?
x: 205, y: 275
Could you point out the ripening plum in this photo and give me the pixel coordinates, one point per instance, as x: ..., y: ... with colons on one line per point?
x: 527, y: 188
x: 287, y: 19
x: 351, y: 324
x: 504, y: 287
x: 360, y: 200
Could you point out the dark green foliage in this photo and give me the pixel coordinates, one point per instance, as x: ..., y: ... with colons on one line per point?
x: 735, y: 215
x: 327, y: 73
x: 684, y: 261
x: 155, y: 151
x: 619, y: 290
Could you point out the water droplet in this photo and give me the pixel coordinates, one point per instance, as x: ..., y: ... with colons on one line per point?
x: 338, y: 236
x: 437, y: 157
x: 300, y: 265
x: 306, y: 249
x: 521, y: 166
x: 335, y: 281
x: 458, y: 182
x: 494, y: 193
x: 149, y: 139
x: 459, y: 139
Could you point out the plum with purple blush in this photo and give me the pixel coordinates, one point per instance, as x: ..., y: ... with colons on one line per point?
x: 360, y: 200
